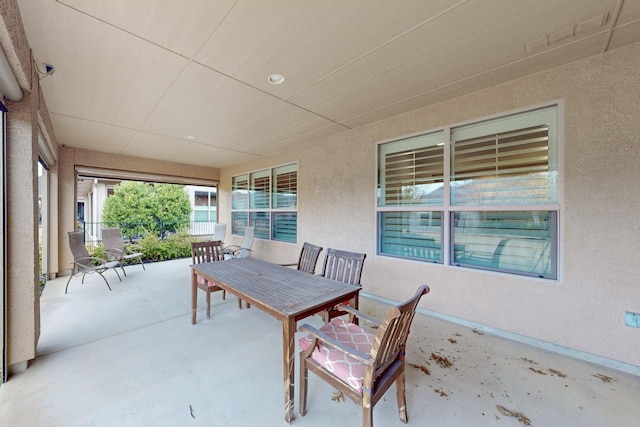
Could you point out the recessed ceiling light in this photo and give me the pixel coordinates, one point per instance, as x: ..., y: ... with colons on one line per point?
x: 188, y: 137
x: 276, y: 79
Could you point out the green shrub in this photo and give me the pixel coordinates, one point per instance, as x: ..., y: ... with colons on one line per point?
x: 174, y: 246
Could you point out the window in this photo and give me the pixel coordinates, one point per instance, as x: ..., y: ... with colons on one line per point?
x: 481, y: 195
x: 205, y: 205
x: 267, y: 200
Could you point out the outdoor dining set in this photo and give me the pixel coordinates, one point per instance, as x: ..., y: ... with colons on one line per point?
x: 362, y: 362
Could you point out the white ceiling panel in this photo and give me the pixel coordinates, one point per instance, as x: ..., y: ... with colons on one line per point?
x: 135, y: 77
x: 181, y: 27
x: 158, y: 147
x: 409, y: 61
x: 306, y: 41
x: 91, y: 135
x: 102, y: 73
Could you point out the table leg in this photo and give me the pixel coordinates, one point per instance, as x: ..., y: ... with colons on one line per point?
x: 194, y: 296
x: 288, y: 347
x: 356, y: 305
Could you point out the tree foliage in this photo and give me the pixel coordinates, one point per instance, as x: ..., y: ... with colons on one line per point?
x: 138, y: 207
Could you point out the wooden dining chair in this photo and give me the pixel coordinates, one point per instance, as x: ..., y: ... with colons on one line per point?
x: 207, y: 252
x: 308, y: 258
x: 359, y: 363
x: 345, y: 267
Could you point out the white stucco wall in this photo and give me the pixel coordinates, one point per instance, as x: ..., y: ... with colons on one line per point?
x: 599, y: 228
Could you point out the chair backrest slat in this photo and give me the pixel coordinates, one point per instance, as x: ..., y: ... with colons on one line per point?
x: 343, y: 266
x: 392, y: 334
x: 309, y: 257
x: 206, y: 252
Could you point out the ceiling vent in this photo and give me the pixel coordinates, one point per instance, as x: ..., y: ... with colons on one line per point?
x: 571, y: 33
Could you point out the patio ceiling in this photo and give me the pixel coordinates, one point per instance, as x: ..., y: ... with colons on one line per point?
x: 187, y: 81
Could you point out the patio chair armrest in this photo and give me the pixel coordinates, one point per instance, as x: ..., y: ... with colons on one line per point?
x: 241, y: 251
x: 230, y: 249
x: 114, y: 254
x: 132, y: 247
x: 295, y: 264
x: 358, y: 314
x: 92, y: 259
x: 319, y: 337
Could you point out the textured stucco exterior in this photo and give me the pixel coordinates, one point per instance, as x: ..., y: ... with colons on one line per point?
x: 600, y: 197
x: 21, y: 256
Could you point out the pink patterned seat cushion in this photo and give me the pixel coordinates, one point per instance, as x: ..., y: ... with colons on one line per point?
x: 203, y: 281
x: 335, y: 361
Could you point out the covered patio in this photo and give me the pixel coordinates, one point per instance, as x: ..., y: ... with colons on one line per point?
x: 131, y: 357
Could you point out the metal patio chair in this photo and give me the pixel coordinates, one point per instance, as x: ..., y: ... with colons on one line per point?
x: 244, y: 249
x: 116, y: 250
x: 84, y: 264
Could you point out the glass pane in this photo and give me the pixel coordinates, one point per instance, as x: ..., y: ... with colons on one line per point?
x: 505, y: 161
x: 260, y: 220
x: 240, y: 192
x: 513, y: 241
x: 259, y: 190
x: 411, y: 234
x: 285, y: 187
x: 201, y: 198
x: 412, y: 171
x: 201, y: 215
x: 239, y: 220
x: 285, y: 225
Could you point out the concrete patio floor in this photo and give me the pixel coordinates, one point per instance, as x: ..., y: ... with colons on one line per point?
x: 131, y: 357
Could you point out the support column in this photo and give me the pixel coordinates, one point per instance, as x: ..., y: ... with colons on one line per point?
x: 22, y: 231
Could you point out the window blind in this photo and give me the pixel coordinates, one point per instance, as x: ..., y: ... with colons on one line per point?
x: 259, y: 190
x: 411, y: 234
x: 285, y: 189
x: 285, y: 226
x: 516, y: 241
x: 505, y: 168
x: 240, y: 192
x: 411, y: 171
x: 257, y: 195
x: 260, y: 221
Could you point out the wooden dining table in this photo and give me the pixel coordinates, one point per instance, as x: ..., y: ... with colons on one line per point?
x: 285, y: 293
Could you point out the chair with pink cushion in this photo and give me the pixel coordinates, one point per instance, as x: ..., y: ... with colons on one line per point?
x: 358, y: 362
x: 345, y: 267
x: 208, y: 252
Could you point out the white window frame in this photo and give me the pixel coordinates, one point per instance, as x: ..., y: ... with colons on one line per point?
x: 447, y: 209
x: 272, y: 212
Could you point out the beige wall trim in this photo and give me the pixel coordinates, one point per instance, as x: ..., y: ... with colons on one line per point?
x: 117, y: 162
x: 90, y: 172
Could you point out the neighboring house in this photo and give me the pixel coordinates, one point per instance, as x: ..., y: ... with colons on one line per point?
x: 92, y: 194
